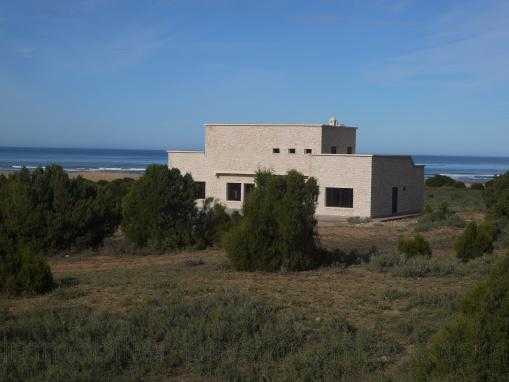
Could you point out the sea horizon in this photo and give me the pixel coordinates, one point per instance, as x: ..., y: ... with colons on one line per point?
x: 12, y: 158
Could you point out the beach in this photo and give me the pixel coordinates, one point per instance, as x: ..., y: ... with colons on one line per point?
x: 97, y: 175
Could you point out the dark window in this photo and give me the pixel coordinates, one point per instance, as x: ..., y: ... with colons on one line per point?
x: 349, y: 150
x: 248, y: 187
x: 291, y: 151
x: 339, y: 197
x: 333, y: 150
x: 308, y: 151
x: 199, y: 190
x: 233, y: 191
x: 275, y: 151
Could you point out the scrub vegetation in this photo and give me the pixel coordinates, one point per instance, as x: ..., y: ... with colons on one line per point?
x: 370, y: 302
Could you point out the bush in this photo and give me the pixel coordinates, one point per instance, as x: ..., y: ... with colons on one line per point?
x: 443, y: 181
x: 475, y: 241
x: 210, y: 223
x: 159, y: 209
x: 457, y: 199
x: 442, y: 216
x: 416, y: 246
x: 477, y: 186
x: 46, y: 211
x: 497, y: 197
x: 24, y: 271
x: 277, y: 229
x: 474, y: 345
x: 111, y: 195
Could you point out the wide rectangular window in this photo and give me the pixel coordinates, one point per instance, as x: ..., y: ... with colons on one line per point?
x: 199, y: 192
x: 275, y: 150
x: 291, y: 151
x: 333, y: 150
x: 248, y: 187
x: 339, y: 197
x: 308, y: 151
x: 233, y: 191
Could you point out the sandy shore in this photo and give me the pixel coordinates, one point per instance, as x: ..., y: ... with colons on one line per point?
x: 99, y: 175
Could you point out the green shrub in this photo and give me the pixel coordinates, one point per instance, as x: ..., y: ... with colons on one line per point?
x: 346, y: 259
x: 441, y: 216
x: 159, y: 209
x: 111, y: 195
x: 474, y: 345
x: 475, y: 241
x: 477, y: 186
x: 416, y: 246
x: 443, y: 181
x: 210, y: 223
x: 277, y: 229
x: 457, y: 199
x: 497, y: 197
x: 24, y: 271
x: 47, y: 211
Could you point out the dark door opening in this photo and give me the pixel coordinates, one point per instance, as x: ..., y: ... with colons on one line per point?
x: 394, y: 200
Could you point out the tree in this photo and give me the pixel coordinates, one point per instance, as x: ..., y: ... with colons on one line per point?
x: 47, y: 211
x: 443, y: 181
x: 277, y: 229
x: 475, y: 241
x: 159, y: 209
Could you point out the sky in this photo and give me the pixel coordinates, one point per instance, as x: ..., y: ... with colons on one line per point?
x: 416, y: 77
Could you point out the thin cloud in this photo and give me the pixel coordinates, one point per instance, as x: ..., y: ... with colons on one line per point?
x: 465, y: 47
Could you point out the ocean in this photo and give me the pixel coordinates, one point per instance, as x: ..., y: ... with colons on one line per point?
x: 468, y: 168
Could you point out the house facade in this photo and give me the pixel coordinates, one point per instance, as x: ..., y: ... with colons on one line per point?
x: 350, y: 184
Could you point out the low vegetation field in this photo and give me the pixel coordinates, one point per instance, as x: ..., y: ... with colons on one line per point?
x: 128, y: 314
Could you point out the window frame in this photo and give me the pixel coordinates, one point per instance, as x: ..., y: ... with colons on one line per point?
x: 339, y: 197
x: 229, y: 191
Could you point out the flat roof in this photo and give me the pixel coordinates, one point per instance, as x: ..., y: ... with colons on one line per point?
x: 279, y: 124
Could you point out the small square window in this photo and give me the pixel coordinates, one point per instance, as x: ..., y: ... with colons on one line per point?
x: 233, y: 191
x: 275, y: 151
x: 333, y: 150
x: 291, y: 151
x: 308, y: 151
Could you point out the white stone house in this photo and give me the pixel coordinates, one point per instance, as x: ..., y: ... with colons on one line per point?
x: 350, y: 184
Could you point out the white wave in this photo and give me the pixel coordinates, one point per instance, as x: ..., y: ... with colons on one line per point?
x: 467, y: 176
x: 19, y: 167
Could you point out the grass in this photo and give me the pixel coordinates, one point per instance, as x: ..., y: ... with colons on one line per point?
x: 121, y: 314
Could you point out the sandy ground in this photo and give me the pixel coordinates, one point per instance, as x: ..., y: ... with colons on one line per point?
x: 98, y: 175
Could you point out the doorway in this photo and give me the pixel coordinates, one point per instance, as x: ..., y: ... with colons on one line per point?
x: 394, y: 200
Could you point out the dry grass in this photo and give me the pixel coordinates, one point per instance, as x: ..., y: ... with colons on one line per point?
x: 368, y: 299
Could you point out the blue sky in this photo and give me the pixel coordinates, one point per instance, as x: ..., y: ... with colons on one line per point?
x: 418, y: 77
